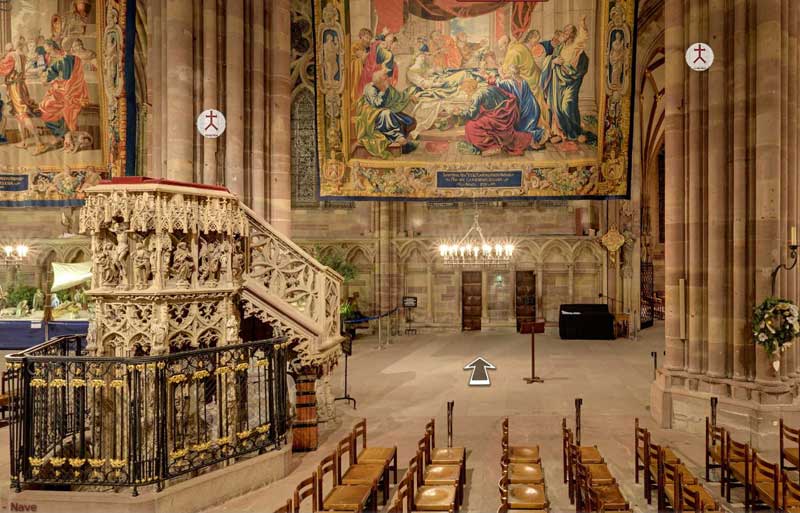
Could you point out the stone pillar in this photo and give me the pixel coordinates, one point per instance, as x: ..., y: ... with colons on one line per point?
x: 429, y: 288
x: 179, y: 102
x: 571, y: 280
x: 741, y: 287
x: 210, y: 89
x: 768, y: 239
x: 484, y: 296
x: 280, y: 87
x: 384, y: 263
x: 674, y: 197
x: 258, y: 107
x: 718, y: 291
x: 234, y: 97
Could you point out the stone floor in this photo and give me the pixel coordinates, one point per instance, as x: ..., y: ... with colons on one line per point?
x: 399, y: 388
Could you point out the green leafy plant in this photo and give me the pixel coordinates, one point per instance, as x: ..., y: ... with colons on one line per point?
x: 775, y: 324
x: 346, y: 311
x: 336, y: 261
x: 17, y: 293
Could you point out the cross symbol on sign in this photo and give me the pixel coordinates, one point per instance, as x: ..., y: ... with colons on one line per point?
x: 699, y: 49
x: 211, y: 116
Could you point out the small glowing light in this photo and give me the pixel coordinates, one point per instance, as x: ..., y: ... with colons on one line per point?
x: 486, y: 249
x: 8, y: 250
x: 509, y: 249
x: 443, y: 249
x: 22, y: 250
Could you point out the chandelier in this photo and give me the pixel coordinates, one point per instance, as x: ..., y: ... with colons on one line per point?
x: 13, y: 254
x: 474, y: 249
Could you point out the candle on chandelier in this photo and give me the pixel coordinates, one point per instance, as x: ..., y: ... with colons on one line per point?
x: 793, y: 238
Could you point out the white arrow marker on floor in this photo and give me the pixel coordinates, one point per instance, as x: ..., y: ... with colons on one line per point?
x: 480, y: 374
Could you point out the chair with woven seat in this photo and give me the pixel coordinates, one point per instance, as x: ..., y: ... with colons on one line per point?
x: 305, y: 489
x: 765, y: 482
x: 640, y: 447
x: 286, y: 508
x: 518, y: 453
x: 375, y: 475
x: 789, y: 446
x: 341, y: 497
x: 715, y: 448
x: 736, y: 468
x: 653, y: 457
x: 384, y: 455
x: 444, y: 455
x: 436, y: 473
x: 671, y: 476
x: 573, y: 454
x: 600, y: 473
x: 522, y: 473
x: 522, y: 496
x: 693, y: 498
x: 429, y: 497
x: 790, y: 498
x: 402, y: 499
x: 589, y: 497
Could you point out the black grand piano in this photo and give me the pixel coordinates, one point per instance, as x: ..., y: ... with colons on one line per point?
x: 586, y: 322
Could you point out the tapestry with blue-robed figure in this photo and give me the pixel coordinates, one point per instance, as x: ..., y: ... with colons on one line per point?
x: 411, y: 89
x: 64, y: 98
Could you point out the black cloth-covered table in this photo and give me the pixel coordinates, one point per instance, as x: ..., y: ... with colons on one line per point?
x: 585, y: 321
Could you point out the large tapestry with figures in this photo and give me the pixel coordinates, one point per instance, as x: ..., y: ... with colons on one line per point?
x: 425, y: 99
x: 63, y: 98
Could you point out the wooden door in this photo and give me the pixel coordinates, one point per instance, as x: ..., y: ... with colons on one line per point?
x: 525, y: 299
x: 471, y: 300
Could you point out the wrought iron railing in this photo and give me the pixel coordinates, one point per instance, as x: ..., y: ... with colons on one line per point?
x: 88, y: 421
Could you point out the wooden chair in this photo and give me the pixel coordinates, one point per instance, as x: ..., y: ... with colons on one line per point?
x: 438, y: 474
x: 671, y: 477
x: 341, y: 497
x: 654, y: 457
x: 765, y: 482
x: 370, y: 474
x: 519, y: 453
x: 522, y: 496
x: 736, y: 468
x: 592, y: 460
x: 715, y: 448
x: 640, y: 447
x: 402, y: 499
x: 286, y: 508
x: 305, y: 489
x: 428, y: 497
x: 790, y: 499
x: 589, y: 497
x: 386, y: 456
x: 446, y: 455
x: 790, y: 454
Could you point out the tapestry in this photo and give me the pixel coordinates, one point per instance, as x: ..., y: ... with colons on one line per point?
x: 458, y: 99
x: 63, y: 98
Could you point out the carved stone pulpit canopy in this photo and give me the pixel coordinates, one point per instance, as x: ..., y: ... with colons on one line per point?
x: 167, y: 264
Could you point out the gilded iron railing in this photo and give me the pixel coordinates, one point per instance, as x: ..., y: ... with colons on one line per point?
x: 101, y: 422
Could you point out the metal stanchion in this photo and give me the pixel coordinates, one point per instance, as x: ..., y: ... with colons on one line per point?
x: 714, y: 401
x: 450, y: 405
x: 654, y: 355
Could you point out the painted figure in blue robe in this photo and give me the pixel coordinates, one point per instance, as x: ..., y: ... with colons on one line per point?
x: 528, y: 107
x: 561, y: 80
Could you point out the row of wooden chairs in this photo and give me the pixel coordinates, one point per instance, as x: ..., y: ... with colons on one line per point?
x: 356, y: 476
x: 591, y: 485
x: 665, y: 474
x: 765, y: 483
x: 435, y: 479
x: 522, y: 483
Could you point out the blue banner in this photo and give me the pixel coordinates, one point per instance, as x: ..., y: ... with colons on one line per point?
x: 478, y: 179
x: 13, y: 183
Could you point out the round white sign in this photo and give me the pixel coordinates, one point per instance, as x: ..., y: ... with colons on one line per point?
x: 699, y: 56
x: 211, y: 123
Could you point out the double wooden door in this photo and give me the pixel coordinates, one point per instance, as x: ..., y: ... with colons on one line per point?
x: 471, y: 300
x: 525, y: 298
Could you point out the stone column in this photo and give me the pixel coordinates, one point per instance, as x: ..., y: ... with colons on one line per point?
x: 694, y: 208
x: 768, y: 239
x: 718, y: 199
x: 179, y: 101
x: 234, y: 97
x: 674, y: 197
x: 429, y: 288
x: 258, y: 107
x: 384, y: 262
x: 741, y: 286
x: 280, y: 87
x: 571, y: 280
x: 210, y: 89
